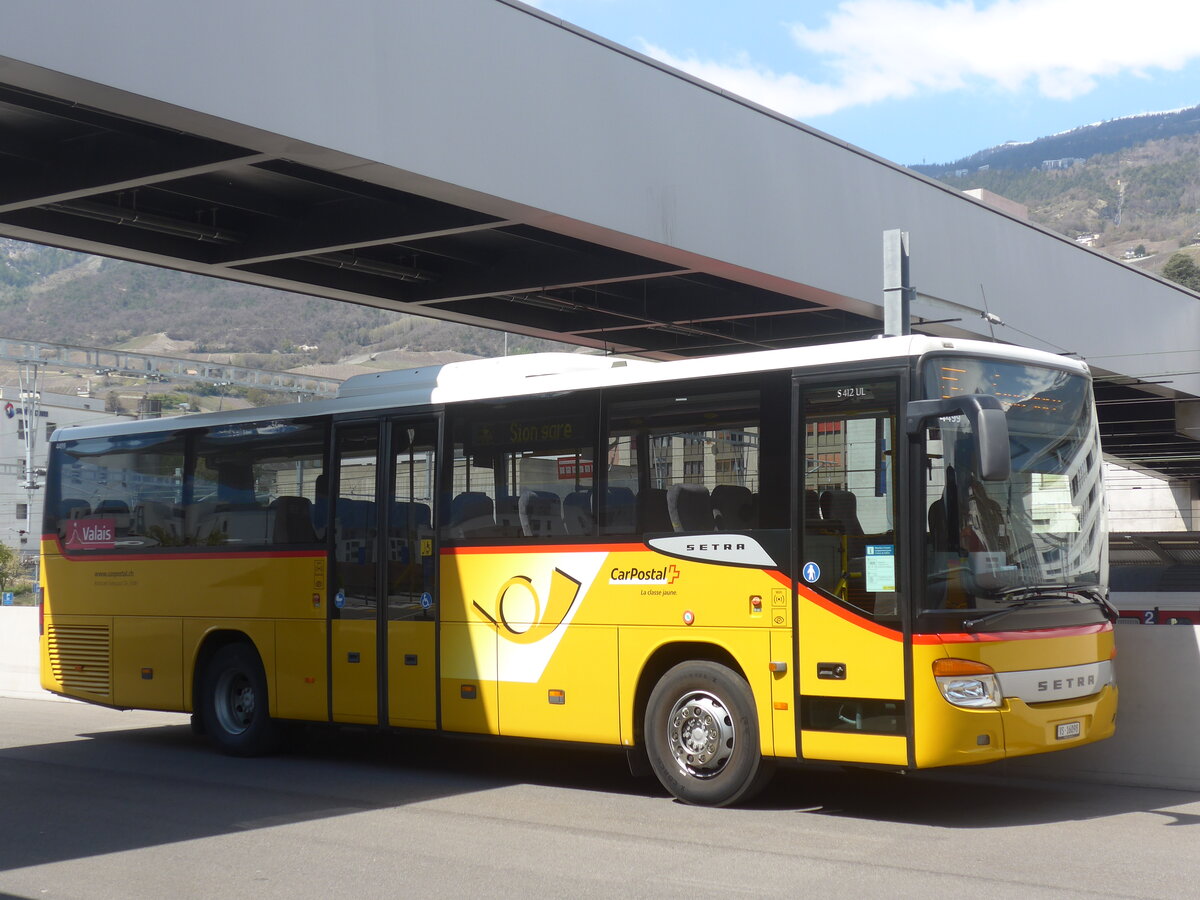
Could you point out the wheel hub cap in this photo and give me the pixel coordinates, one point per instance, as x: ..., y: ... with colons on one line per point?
x: 700, y: 734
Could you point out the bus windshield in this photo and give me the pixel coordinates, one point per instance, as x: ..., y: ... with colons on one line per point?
x: 1036, y: 538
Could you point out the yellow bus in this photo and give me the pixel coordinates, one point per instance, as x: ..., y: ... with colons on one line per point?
x: 888, y: 553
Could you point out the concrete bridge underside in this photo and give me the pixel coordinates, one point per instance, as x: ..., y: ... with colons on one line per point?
x: 478, y: 161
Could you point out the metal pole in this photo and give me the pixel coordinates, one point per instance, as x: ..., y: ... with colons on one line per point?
x: 30, y: 407
x: 898, y: 291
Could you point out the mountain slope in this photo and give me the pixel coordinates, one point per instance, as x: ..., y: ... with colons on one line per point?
x: 55, y: 295
x: 1080, y: 143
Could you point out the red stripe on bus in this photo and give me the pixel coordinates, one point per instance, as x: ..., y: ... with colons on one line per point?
x: 549, y: 548
x: 1029, y: 635
x: 852, y: 618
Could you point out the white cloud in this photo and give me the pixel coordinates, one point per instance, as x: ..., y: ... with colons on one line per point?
x: 891, y: 49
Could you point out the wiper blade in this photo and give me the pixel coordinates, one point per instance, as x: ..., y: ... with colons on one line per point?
x: 972, y: 624
x: 1034, y: 594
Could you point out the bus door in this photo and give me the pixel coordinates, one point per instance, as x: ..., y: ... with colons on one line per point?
x: 851, y: 644
x: 383, y: 603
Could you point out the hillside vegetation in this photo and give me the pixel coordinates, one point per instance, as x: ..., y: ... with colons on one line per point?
x: 1149, y: 193
x: 71, y: 298
x: 1133, y: 183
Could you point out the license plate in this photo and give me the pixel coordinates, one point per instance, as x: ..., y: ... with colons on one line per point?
x: 1067, y: 730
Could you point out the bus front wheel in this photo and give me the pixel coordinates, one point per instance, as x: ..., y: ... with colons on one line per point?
x: 234, y: 703
x: 701, y: 733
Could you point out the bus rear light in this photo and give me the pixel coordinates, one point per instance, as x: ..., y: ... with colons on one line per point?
x: 967, y: 683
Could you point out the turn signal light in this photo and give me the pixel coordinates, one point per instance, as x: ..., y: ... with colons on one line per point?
x: 944, y: 668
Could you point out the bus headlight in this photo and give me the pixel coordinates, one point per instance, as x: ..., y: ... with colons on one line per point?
x: 964, y: 682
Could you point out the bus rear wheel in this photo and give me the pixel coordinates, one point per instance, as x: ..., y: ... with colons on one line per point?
x: 234, y: 703
x: 701, y: 733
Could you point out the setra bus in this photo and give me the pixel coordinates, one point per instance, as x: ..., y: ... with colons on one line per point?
x: 886, y: 553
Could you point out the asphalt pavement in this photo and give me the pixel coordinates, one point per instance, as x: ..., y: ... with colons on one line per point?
x: 96, y: 803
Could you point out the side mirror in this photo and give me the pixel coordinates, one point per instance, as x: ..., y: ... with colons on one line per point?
x: 988, y: 423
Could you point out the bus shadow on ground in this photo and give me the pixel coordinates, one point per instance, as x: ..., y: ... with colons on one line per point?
x: 125, y: 789
x: 964, y: 799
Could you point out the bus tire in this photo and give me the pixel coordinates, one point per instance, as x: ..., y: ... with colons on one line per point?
x: 701, y: 733
x: 234, y: 703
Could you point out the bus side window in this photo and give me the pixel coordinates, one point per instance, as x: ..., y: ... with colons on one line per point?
x: 523, y: 473
x: 257, y: 484
x: 120, y: 494
x: 690, y: 463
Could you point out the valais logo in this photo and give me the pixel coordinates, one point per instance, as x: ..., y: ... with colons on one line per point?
x: 91, y: 534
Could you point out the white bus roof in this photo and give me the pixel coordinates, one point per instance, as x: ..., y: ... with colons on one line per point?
x: 541, y: 373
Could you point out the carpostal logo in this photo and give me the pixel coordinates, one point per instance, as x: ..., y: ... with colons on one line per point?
x: 665, y: 575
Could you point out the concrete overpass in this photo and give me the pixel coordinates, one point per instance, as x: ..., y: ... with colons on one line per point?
x: 478, y: 161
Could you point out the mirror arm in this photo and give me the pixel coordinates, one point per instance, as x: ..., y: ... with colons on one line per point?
x: 986, y: 415
x: 919, y: 411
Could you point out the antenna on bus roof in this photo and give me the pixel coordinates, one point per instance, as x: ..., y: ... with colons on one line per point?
x: 898, y: 293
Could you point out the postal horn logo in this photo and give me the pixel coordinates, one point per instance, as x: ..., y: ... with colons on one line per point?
x: 532, y: 614
x: 519, y: 613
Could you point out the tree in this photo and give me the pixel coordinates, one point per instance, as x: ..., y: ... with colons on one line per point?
x: 1182, y: 269
x: 10, y: 566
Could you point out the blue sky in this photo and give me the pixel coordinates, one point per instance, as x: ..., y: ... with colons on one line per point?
x: 922, y: 80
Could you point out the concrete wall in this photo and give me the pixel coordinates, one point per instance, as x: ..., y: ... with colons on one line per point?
x: 19, y: 654
x: 1158, y: 727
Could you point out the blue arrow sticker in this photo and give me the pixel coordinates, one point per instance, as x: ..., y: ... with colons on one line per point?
x: 812, y: 572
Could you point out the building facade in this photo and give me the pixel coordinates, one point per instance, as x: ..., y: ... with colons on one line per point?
x: 21, y: 507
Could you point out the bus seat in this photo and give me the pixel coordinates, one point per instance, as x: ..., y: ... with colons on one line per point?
x: 199, y: 520
x: 690, y: 507
x: 653, y: 514
x: 291, y: 521
x: 157, y: 520
x: 118, y: 511
x: 508, y: 516
x: 733, y: 507
x: 406, y: 515
x: 321, y: 503
x: 812, y: 507
x: 471, y: 515
x: 244, y: 526
x: 840, y: 510
x: 577, y: 512
x: 541, y: 513
x: 73, y: 508
x: 621, y: 510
